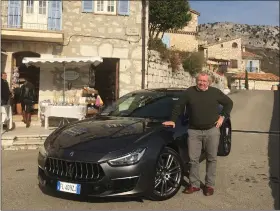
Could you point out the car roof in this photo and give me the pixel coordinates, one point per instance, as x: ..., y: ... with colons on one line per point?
x: 166, y: 90
x: 160, y: 90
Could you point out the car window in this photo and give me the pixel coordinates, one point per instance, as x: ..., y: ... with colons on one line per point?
x: 126, y: 103
x: 156, y: 105
x: 159, y: 109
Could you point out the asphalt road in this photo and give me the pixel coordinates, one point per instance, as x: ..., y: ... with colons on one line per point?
x: 247, y: 179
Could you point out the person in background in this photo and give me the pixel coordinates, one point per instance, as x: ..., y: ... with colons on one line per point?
x: 27, y: 97
x: 202, y: 101
x: 15, y: 98
x: 5, y: 90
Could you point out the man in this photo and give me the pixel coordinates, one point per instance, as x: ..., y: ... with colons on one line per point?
x: 5, y: 91
x: 27, y: 97
x: 204, y: 123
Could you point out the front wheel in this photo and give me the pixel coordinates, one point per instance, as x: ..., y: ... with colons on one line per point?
x: 169, y: 175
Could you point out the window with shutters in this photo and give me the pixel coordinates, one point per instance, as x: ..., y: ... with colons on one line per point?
x: 112, y: 7
x: 105, y: 7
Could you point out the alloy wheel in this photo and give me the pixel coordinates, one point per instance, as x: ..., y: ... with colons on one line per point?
x: 168, y: 175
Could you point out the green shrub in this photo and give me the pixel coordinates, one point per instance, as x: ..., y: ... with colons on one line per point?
x: 159, y: 46
x: 193, y: 63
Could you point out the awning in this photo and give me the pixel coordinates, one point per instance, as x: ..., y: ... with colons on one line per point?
x: 3, y: 52
x: 62, y: 62
x: 36, y: 61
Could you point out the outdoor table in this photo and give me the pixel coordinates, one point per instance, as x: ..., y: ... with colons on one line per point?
x: 75, y: 112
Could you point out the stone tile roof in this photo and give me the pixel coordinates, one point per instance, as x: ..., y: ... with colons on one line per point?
x: 219, y: 42
x: 257, y: 76
x: 195, y: 12
x: 248, y: 55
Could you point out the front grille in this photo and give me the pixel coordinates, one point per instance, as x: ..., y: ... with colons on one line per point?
x: 73, y: 170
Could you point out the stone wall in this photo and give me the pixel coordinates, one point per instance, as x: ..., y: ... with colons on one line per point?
x: 160, y: 75
x: 4, y: 14
x: 183, y: 42
x: 255, y: 85
x: 192, y: 25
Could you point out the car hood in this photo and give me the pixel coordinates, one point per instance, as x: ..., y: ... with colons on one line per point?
x: 101, y: 134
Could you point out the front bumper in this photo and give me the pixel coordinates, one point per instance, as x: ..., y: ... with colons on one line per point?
x: 134, y: 180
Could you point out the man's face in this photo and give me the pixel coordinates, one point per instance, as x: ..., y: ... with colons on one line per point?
x: 202, y: 82
x: 4, y: 76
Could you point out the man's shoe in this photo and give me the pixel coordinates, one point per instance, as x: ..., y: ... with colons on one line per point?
x: 190, y: 190
x: 208, y: 191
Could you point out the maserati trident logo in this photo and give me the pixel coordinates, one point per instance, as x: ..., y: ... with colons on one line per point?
x: 71, y: 154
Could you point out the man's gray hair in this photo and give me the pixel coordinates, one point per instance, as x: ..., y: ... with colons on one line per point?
x: 204, y: 73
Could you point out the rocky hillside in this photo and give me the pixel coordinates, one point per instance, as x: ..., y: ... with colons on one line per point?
x: 258, y: 39
x: 252, y: 35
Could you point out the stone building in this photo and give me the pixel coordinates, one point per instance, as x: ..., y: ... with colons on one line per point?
x: 251, y: 61
x: 227, y: 53
x: 186, y: 38
x: 49, y: 29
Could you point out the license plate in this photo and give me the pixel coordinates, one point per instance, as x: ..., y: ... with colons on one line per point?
x: 68, y: 187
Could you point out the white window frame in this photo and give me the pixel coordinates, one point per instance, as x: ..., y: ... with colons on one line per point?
x: 43, y: 7
x: 105, y: 7
x: 30, y: 6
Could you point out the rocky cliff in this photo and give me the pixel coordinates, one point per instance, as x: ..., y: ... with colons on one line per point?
x: 258, y: 39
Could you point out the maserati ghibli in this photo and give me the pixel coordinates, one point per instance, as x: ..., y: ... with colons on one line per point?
x: 124, y: 150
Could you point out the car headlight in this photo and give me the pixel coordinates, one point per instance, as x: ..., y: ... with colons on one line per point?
x: 42, y: 150
x: 129, y: 159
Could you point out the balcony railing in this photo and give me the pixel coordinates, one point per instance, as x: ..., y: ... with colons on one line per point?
x: 14, y: 18
x: 253, y: 69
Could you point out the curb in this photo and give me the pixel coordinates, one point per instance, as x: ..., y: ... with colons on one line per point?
x: 23, y: 142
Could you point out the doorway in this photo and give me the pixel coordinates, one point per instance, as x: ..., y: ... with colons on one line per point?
x: 30, y: 72
x: 107, y: 80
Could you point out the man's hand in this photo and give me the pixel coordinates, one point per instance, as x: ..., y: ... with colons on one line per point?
x: 219, y: 122
x: 169, y: 123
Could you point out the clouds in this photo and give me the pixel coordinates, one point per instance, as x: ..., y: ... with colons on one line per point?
x: 249, y: 12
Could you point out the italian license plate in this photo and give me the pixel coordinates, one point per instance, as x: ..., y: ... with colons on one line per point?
x: 68, y: 187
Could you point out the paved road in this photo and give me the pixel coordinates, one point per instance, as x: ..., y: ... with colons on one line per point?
x: 247, y: 179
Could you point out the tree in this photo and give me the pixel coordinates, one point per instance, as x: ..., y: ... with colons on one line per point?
x: 246, y: 80
x: 166, y: 15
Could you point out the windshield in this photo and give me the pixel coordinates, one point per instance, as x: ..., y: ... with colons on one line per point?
x: 155, y: 105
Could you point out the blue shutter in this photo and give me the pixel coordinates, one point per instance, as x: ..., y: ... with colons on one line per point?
x: 166, y: 40
x: 123, y: 7
x: 87, y: 5
x: 54, y: 15
x: 14, y: 14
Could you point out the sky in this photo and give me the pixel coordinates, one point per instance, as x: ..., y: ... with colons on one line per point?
x: 243, y: 12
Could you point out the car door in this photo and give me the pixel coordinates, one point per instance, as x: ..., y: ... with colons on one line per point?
x: 181, y: 135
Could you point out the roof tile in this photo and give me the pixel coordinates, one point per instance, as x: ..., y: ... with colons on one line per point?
x: 258, y: 76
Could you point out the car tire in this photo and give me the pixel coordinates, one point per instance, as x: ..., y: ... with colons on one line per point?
x: 225, y: 140
x: 176, y: 176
